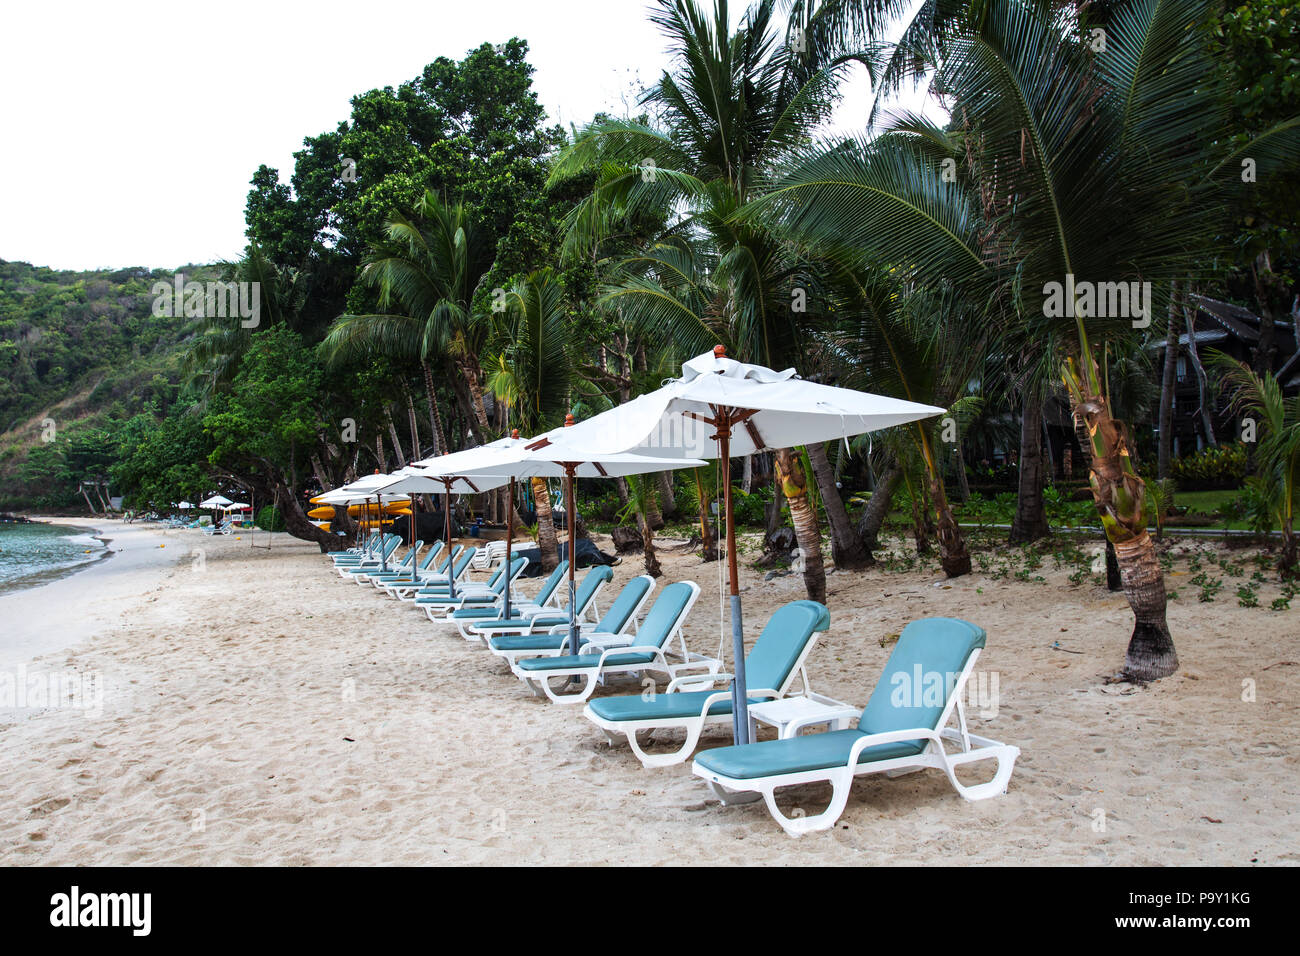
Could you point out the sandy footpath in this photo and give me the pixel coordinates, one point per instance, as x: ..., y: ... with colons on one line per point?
x: 258, y: 710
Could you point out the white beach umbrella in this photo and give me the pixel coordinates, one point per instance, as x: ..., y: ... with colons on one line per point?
x: 443, y: 473
x: 551, y: 455
x: 697, y: 415
x: 216, y: 501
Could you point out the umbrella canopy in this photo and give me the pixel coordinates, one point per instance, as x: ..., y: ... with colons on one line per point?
x: 440, y: 475
x: 216, y: 501
x: 720, y: 408
x: 551, y: 455
x: 184, y: 506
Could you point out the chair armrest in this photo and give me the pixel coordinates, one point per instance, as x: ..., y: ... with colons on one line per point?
x: 609, y: 640
x: 588, y: 626
x: 889, y: 737
x: 689, y: 679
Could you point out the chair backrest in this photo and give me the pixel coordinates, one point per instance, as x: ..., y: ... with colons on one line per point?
x: 623, y: 611
x: 412, y: 552
x: 552, y: 582
x: 430, y: 555
x: 666, y: 614
x: 463, y: 562
x: 776, y: 655
x: 592, y: 582
x: 500, y: 580
x: 391, y: 545
x: 921, y: 675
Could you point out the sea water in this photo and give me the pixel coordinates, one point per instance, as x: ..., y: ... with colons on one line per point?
x: 33, y: 553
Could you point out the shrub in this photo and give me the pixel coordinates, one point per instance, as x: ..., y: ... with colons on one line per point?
x: 1212, y: 469
x: 270, y: 519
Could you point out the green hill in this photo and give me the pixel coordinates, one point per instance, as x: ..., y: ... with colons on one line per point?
x: 81, y: 355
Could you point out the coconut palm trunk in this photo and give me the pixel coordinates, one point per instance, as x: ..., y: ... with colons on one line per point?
x: 794, y: 486
x: 435, y: 414
x: 706, y: 524
x: 547, y: 542
x: 1120, y: 496
x: 1030, y: 521
x: 847, y: 549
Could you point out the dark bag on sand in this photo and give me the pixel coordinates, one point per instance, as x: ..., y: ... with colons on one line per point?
x: 428, y: 526
x: 588, y: 555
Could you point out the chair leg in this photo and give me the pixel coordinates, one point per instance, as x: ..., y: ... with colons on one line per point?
x: 693, y: 730
x: 575, y: 698
x: 733, y: 798
x: 1006, y: 757
x: 841, y: 782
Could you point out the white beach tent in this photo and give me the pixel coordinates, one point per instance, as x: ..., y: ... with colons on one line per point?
x: 697, y: 415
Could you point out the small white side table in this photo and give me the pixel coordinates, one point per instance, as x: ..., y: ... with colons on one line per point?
x: 810, y: 710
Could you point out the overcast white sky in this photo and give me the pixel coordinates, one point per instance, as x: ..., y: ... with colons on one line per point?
x: 130, y: 130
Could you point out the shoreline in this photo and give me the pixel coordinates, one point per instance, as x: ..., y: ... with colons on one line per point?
x: 73, y: 607
x: 48, y: 576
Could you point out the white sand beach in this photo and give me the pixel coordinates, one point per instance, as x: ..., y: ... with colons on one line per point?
x: 258, y: 710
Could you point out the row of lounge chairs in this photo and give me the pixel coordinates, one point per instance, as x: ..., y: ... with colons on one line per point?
x: 642, y: 633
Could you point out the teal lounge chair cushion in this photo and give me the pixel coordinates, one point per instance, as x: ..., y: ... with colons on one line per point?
x: 777, y: 650
x: 546, y: 621
x: 582, y: 661
x: 769, y: 758
x: 661, y: 706
x: 616, y: 618
x: 528, y: 642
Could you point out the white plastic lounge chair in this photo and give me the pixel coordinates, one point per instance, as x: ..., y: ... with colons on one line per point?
x: 903, y: 728
x: 620, y: 620
x: 520, y: 608
x: 407, y: 588
x: 492, y: 553
x: 381, y: 579
x: 488, y: 598
x: 599, y: 660
x: 369, y: 549
x: 584, y: 600
x: 771, y: 666
x: 347, y: 571
x: 399, y: 568
x: 436, y: 586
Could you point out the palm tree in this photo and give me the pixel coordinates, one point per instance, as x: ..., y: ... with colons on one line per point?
x: 531, y: 370
x: 1278, y: 456
x: 430, y: 267
x: 1072, y: 168
x: 737, y: 103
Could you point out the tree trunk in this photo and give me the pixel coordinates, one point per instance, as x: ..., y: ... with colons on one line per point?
x: 1202, y: 382
x: 1151, y: 653
x: 415, y: 428
x: 89, y: 507
x: 847, y: 550
x: 706, y: 523
x: 873, y: 516
x: 794, y: 485
x: 747, y: 475
x: 473, y: 382
x: 919, y: 535
x: 435, y: 415
x: 380, y: 458
x: 1271, y: 295
x: 1114, y: 580
x: 1030, y: 522
x: 299, y: 525
x: 652, y: 567
x: 959, y: 463
x: 667, y: 500
x: 652, y: 513
x: 954, y: 558
x: 546, y: 539
x: 1167, y: 384
x: 1120, y: 498
x: 392, y: 435
x: 772, y: 512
